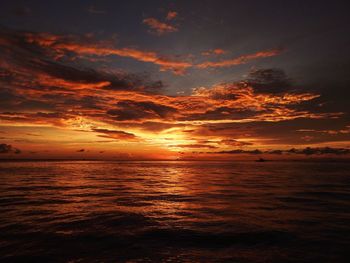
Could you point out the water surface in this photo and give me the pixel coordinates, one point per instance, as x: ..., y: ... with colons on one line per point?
x: 93, y: 211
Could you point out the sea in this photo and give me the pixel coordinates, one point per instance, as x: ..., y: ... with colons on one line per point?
x: 174, y: 211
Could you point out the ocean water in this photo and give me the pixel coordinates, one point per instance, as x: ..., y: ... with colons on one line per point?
x: 96, y: 211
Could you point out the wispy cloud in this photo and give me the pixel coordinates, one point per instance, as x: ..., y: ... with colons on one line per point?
x: 159, y: 27
x: 240, y: 60
x: 171, y: 15
x: 193, y: 146
x: 216, y: 51
x: 116, y: 135
x: 60, y: 45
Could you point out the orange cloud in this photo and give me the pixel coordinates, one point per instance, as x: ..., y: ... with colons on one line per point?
x: 193, y: 146
x: 45, y: 80
x: 116, y: 135
x: 158, y: 27
x: 345, y: 130
x: 171, y: 15
x: 41, y: 91
x: 240, y: 60
x: 217, y: 51
x: 60, y: 46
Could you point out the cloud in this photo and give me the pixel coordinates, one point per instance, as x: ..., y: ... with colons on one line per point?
x: 238, y: 101
x: 40, y: 89
x: 305, y: 151
x: 344, y: 130
x: 81, y: 150
x: 171, y: 15
x: 217, y: 51
x: 319, y: 151
x: 161, y: 28
x: 240, y: 60
x: 7, y: 148
x: 193, y: 146
x: 60, y: 46
x: 31, y: 58
x: 232, y: 142
x: 116, y: 134
x: 239, y: 151
x: 72, y: 47
x: 269, y: 80
x: 133, y: 110
x: 158, y: 27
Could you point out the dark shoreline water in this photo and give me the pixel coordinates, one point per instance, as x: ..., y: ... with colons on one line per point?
x: 178, y: 211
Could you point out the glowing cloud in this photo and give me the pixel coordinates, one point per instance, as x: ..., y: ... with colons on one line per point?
x: 158, y: 27
x: 240, y: 60
x: 171, y: 15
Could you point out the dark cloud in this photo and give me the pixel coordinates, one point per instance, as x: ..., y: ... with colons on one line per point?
x: 133, y: 110
x: 81, y: 150
x: 276, y: 152
x: 269, y: 80
x: 305, y: 151
x: 194, y: 146
x: 240, y: 151
x: 7, y: 148
x: 33, y: 79
x: 27, y: 60
x: 116, y: 134
x: 10, y: 100
x: 288, y: 132
x: 17, y: 151
x: 220, y: 113
x: 319, y: 151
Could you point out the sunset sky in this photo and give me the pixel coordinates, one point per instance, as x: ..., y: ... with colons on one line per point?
x: 174, y: 79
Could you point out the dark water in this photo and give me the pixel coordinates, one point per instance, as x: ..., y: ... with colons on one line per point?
x: 174, y: 212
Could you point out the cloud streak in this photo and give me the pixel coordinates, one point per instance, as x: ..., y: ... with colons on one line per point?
x: 7, y: 148
x: 160, y: 28
x: 304, y: 151
x: 116, y: 135
x: 59, y: 46
x: 171, y: 15
x: 217, y: 51
x: 240, y: 60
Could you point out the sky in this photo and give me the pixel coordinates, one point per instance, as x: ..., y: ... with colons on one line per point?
x: 174, y: 79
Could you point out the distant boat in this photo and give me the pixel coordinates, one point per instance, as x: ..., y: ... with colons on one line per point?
x: 261, y: 160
